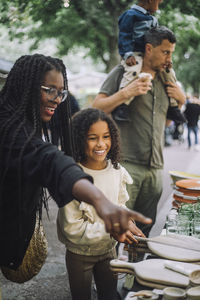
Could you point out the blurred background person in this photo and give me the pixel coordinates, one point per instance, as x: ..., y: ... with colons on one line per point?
x: 192, y: 113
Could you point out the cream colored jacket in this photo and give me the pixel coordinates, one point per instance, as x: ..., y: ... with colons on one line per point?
x: 78, y: 225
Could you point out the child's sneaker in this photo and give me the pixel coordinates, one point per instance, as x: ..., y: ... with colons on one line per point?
x: 175, y: 114
x: 121, y: 113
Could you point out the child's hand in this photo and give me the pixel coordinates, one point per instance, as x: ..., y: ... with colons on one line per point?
x: 134, y: 229
x: 175, y: 91
x: 130, y: 61
x: 128, y: 236
x: 168, y: 66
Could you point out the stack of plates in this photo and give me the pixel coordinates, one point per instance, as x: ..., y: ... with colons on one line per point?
x: 187, y: 191
x: 179, y: 175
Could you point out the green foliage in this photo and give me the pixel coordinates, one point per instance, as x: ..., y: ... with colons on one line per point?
x: 87, y: 23
x: 187, y: 7
x: 184, y: 22
x: 94, y: 25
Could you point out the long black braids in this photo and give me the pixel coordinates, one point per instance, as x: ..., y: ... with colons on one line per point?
x: 20, y: 106
x: 60, y: 124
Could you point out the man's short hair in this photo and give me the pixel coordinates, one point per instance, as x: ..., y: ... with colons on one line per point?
x: 156, y: 35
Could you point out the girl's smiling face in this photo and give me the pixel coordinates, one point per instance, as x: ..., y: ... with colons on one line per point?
x: 98, y: 144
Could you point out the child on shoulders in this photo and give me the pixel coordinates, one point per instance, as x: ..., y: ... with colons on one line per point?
x: 133, y: 24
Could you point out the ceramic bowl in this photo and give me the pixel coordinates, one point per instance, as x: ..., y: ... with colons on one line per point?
x: 194, y: 278
x: 193, y: 293
x: 178, y: 175
x: 173, y: 293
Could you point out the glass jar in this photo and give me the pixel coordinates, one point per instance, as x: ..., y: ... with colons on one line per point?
x: 171, y: 222
x: 196, y: 225
x: 185, y: 219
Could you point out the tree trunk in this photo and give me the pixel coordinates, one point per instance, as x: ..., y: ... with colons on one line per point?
x: 114, y: 57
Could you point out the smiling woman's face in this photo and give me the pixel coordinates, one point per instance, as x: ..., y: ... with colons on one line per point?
x: 52, y: 79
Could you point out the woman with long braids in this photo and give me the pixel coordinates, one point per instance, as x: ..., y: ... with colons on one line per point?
x: 30, y: 163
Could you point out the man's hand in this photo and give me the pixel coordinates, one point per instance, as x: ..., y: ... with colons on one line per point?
x: 136, y: 88
x: 130, y: 61
x: 174, y: 91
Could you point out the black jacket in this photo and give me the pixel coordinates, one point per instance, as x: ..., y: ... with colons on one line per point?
x: 43, y: 165
x: 192, y: 113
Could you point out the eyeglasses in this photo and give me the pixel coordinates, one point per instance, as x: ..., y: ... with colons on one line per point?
x: 54, y: 93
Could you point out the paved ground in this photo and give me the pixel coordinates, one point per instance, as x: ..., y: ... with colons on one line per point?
x: 51, y: 283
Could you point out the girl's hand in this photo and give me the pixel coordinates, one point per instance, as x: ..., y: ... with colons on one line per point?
x: 134, y: 229
x: 128, y: 236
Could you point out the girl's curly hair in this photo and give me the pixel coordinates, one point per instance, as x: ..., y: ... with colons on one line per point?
x: 81, y: 123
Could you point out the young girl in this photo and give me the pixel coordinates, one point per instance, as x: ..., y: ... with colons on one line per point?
x: 89, y: 247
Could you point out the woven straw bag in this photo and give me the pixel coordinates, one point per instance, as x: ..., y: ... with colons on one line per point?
x: 33, y: 260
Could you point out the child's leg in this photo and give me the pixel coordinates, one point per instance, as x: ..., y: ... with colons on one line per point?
x: 105, y: 279
x: 131, y: 71
x: 121, y: 112
x: 169, y: 76
x: 80, y: 270
x: 174, y: 113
